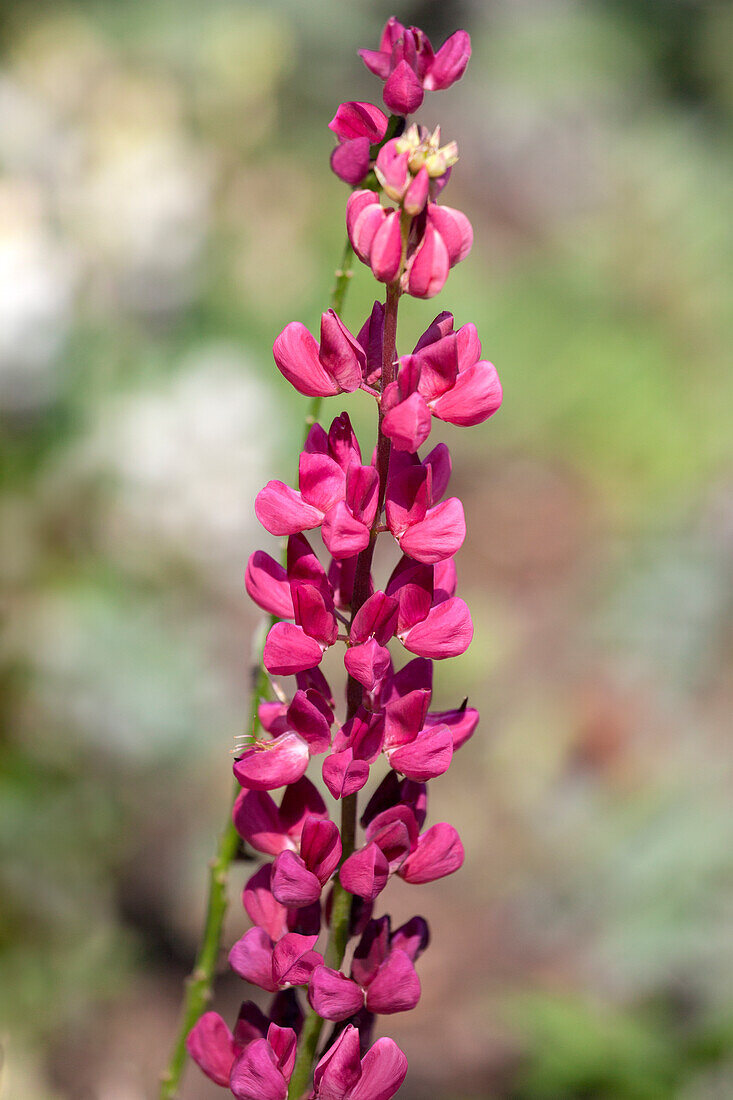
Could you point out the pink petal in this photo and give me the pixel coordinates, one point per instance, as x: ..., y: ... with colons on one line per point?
x: 376, y: 617
x: 461, y: 723
x: 267, y: 584
x: 289, y: 649
x: 340, y: 1067
x: 454, y: 229
x: 322, y: 481
x: 271, y: 764
x: 293, y: 885
x: 428, y: 269
x: 408, y: 423
x: 307, y: 719
x: 340, y: 354
x: 469, y: 346
x: 251, y: 958
x: 476, y: 395
x: 365, y: 872
x: 343, y: 775
x: 320, y: 847
x: 343, y: 535
x: 386, y: 249
x: 417, y: 193
x: 314, y: 613
x: 446, y: 631
x: 439, y: 852
x: 404, y: 717
x: 376, y: 62
x: 293, y: 959
x: 450, y: 62
x: 211, y: 1045
x: 428, y: 756
x: 408, y: 496
x: 296, y: 356
x: 282, y: 511
x: 262, y: 907
x: 333, y: 996
x: 362, y: 493
x: 439, y: 535
x: 440, y: 327
x: 383, y: 1070
x: 356, y: 120
x: 257, y: 820
x: 284, y: 1042
x: 364, y: 217
x: 350, y: 161
x: 439, y: 461
x: 412, y: 937
x: 396, y: 987
x: 402, y: 92
x: 445, y: 580
x: 301, y: 800
x: 256, y: 1074
x: 368, y: 663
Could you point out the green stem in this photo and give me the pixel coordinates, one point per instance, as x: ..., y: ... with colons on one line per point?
x: 199, y: 984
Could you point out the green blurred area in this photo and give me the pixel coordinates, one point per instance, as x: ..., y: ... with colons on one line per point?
x: 165, y: 208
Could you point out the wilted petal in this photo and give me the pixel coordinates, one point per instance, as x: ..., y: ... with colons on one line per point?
x: 446, y: 631
x: 271, y: 764
x: 296, y: 356
x: 211, y: 1045
x: 439, y: 852
x: 396, y: 987
x: 289, y: 649
x: 333, y: 996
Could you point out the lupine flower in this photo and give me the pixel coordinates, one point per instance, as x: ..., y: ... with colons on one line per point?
x: 318, y: 877
x: 358, y: 126
x: 406, y: 62
x: 342, y: 1074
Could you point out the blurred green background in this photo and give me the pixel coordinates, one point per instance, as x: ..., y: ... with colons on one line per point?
x: 165, y: 208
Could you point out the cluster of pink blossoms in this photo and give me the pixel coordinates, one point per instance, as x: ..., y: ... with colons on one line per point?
x: 318, y: 871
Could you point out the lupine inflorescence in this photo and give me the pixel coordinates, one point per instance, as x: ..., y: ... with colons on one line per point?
x: 322, y: 880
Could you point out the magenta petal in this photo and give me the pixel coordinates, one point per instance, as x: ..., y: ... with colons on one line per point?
x: 320, y: 847
x: 366, y: 225
x: 440, y: 464
x: 377, y: 62
x: 376, y: 617
x: 417, y: 193
x: 343, y: 775
x: 284, y: 1042
x: 293, y: 959
x: 333, y: 996
x: 359, y: 203
x: 384, y: 1068
x: 386, y: 249
x: 340, y: 353
x: 439, y: 852
x: 428, y: 269
x: 440, y: 535
x: 454, y: 229
x: 350, y: 161
x: 289, y: 649
x: 260, y: 905
x: 357, y: 120
x: 428, y: 756
x: 362, y: 493
x: 476, y: 395
x: 404, y: 717
x: 293, y: 885
x: 296, y: 356
x: 461, y: 723
x: 314, y: 613
x: 271, y: 764
x: 445, y: 632
x: 322, y: 481
x: 396, y: 987
x: 368, y: 663
x: 282, y: 511
x: 343, y: 535
x: 267, y: 584
x: 449, y: 63
x: 257, y: 820
x: 251, y: 958
x: 402, y: 92
x: 340, y: 1067
x: 365, y: 872
x: 306, y: 718
x: 408, y: 423
x: 256, y: 1074
x: 211, y: 1045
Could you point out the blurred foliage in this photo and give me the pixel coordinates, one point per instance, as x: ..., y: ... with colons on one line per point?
x: 165, y: 207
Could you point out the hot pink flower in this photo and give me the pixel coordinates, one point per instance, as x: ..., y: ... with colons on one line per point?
x: 298, y: 877
x: 407, y: 63
x: 274, y: 965
x: 358, y: 126
x: 431, y: 622
x: 342, y: 1074
x: 334, y: 366
x: 264, y: 1069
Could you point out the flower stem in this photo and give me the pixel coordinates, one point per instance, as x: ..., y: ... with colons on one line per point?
x: 198, y: 985
x: 341, y: 900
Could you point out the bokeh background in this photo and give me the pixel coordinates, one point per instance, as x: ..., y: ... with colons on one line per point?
x: 165, y: 208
